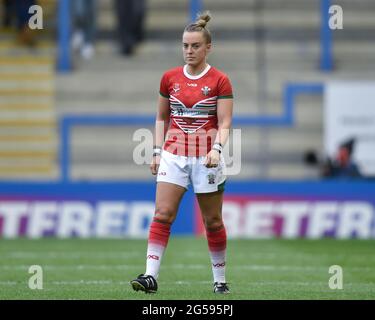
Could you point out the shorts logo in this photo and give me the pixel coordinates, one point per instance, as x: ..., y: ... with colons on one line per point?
x: 163, y: 173
x: 152, y: 256
x: 218, y: 265
x: 206, y: 90
x: 211, y: 178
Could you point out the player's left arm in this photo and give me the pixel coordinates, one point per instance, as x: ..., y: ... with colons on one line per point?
x: 224, y: 118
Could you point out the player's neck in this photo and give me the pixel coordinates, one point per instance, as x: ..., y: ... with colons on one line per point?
x: 196, y: 70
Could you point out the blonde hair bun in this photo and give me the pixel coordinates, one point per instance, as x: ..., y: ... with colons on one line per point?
x: 203, y: 19
x: 200, y: 25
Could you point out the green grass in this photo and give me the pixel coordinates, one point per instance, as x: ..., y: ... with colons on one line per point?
x: 256, y: 269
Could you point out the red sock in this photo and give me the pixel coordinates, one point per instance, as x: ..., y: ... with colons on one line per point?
x: 217, y: 243
x: 159, y: 233
x: 157, y: 242
x: 217, y: 240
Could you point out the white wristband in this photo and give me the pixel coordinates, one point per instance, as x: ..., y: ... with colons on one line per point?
x: 218, y: 147
x: 156, y: 152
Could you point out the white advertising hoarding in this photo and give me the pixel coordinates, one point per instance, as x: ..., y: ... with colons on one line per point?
x: 349, y: 112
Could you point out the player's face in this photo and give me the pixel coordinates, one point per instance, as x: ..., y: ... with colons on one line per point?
x: 195, y: 48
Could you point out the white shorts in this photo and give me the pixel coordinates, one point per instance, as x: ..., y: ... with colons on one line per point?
x: 182, y: 170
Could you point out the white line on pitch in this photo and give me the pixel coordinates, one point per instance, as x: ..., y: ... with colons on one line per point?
x: 285, y: 268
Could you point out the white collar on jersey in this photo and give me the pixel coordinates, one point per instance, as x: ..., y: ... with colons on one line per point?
x: 197, y: 76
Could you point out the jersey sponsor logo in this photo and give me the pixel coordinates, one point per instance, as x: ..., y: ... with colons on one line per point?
x: 180, y: 112
x: 204, y: 108
x: 206, y: 90
x: 192, y: 85
x: 152, y: 256
x: 187, y: 119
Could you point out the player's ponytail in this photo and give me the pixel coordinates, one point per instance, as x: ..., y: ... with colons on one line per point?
x: 200, y: 26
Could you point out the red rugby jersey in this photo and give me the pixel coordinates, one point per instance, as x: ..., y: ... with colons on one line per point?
x: 193, y: 103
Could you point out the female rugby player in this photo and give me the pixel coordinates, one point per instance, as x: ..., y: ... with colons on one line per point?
x: 192, y: 125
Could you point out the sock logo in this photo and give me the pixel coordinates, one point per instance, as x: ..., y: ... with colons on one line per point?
x: 152, y: 256
x: 218, y: 265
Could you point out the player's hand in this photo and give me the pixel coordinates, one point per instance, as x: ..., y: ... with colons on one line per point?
x: 212, y: 159
x: 154, y: 166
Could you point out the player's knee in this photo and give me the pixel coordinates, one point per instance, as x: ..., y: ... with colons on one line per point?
x: 213, y: 223
x: 164, y: 214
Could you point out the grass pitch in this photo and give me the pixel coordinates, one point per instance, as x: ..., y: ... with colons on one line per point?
x: 256, y: 269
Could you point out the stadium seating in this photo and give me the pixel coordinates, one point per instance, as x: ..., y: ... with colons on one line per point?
x: 261, y: 49
x: 28, y: 124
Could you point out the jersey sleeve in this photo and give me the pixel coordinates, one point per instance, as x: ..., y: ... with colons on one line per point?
x: 225, y: 89
x: 164, y: 92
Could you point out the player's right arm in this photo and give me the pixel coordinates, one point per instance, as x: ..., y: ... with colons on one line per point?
x: 161, y: 127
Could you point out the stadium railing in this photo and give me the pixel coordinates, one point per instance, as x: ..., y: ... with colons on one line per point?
x: 286, y: 119
x: 326, y: 46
